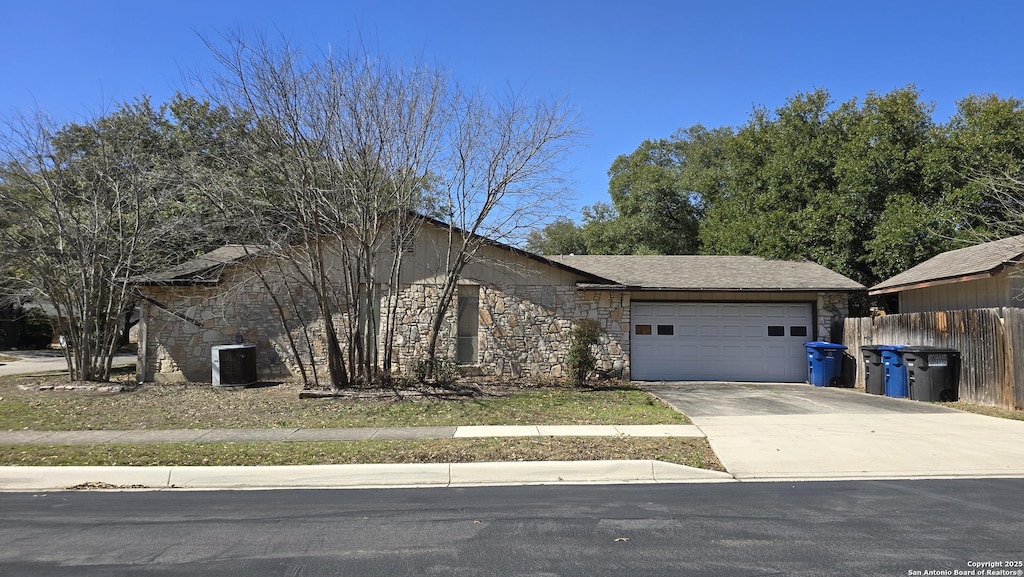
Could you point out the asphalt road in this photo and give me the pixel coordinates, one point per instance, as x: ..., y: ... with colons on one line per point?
x: 838, y: 528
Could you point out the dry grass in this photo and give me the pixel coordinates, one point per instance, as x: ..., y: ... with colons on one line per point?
x: 196, y: 406
x: 1015, y: 414
x: 691, y: 452
x: 193, y: 406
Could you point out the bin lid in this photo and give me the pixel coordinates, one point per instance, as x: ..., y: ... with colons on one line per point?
x: 929, y: 349
x: 891, y: 347
x: 824, y: 345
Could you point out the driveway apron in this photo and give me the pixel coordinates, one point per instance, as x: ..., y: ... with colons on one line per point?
x: 796, y: 431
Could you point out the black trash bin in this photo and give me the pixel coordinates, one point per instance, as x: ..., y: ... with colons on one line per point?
x: 933, y: 373
x: 874, y: 372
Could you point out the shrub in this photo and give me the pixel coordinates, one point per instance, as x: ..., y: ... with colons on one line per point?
x: 442, y: 371
x: 581, y: 360
x: 38, y: 330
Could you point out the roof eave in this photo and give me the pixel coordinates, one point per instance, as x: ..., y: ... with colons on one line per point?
x: 178, y: 282
x: 587, y: 286
x: 933, y: 282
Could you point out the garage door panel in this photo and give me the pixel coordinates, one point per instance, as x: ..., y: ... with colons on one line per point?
x: 710, y: 331
x: 732, y: 331
x: 721, y: 341
x: 688, y: 330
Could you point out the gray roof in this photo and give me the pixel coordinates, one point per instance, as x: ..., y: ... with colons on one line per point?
x: 711, y: 273
x: 204, y: 269
x: 976, y: 261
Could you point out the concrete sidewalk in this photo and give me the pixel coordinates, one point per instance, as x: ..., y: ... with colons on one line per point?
x: 349, y: 476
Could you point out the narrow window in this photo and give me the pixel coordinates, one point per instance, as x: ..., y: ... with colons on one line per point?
x: 798, y: 331
x: 666, y: 329
x: 776, y: 331
x: 468, y: 325
x: 643, y: 329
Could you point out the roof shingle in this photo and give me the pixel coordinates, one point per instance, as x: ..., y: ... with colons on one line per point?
x: 981, y: 259
x: 711, y: 273
x: 202, y: 269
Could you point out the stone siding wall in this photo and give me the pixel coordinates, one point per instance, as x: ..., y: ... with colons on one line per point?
x: 831, y: 308
x: 185, y: 322
x: 524, y: 330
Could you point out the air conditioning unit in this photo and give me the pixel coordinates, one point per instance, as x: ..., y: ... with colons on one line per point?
x: 234, y: 365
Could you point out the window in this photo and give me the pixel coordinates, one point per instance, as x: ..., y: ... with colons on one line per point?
x: 666, y: 329
x: 798, y: 331
x: 776, y: 331
x: 643, y: 329
x: 468, y: 325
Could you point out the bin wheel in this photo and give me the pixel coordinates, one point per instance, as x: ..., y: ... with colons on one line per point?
x: 946, y: 395
x: 836, y: 382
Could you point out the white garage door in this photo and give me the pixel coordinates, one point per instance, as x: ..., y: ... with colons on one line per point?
x: 720, y: 341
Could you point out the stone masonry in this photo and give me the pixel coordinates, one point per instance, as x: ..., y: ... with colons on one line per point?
x: 523, y: 329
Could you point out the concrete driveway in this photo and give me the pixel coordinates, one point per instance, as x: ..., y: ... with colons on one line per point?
x: 796, y: 431
x: 46, y: 361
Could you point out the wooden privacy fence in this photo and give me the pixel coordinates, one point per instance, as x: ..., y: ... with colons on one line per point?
x: 990, y: 341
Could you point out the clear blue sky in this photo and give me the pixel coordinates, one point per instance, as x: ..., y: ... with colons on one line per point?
x: 634, y: 70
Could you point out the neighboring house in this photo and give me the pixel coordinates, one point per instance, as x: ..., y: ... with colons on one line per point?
x: 664, y: 317
x: 980, y: 276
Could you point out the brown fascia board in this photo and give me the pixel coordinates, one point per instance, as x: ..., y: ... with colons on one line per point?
x: 588, y: 286
x: 177, y: 282
x: 935, y: 282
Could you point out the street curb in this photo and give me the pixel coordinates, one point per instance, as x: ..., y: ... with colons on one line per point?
x: 355, y: 476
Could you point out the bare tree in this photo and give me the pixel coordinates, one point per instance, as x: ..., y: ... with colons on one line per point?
x: 344, y: 143
x: 501, y: 177
x: 89, y: 205
x: 1000, y: 210
x: 348, y: 145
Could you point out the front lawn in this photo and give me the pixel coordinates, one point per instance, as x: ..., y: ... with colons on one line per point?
x: 197, y: 406
x: 691, y: 452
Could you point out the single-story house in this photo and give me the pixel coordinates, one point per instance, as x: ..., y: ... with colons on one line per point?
x: 664, y: 317
x: 981, y: 276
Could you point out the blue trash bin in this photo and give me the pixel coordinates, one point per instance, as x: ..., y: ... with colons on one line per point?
x: 895, y: 371
x: 824, y: 363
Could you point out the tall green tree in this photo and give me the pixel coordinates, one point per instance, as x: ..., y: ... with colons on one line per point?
x: 92, y: 204
x: 981, y: 145
x: 868, y: 187
x: 655, y: 209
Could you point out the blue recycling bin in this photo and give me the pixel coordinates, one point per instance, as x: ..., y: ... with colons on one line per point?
x: 895, y: 371
x: 824, y: 363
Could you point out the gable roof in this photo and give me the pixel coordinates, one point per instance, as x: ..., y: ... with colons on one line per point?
x: 974, y: 262
x: 514, y: 250
x: 204, y: 269
x: 712, y: 273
